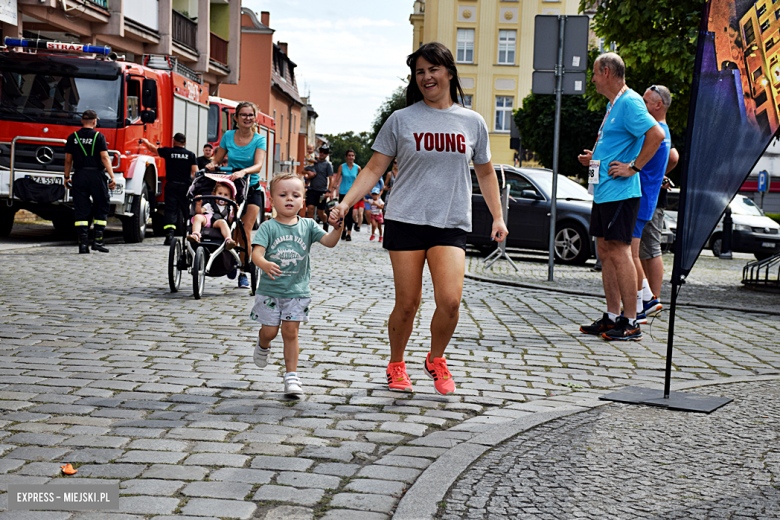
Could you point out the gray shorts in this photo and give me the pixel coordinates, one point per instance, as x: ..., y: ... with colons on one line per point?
x: 650, y: 246
x: 272, y: 311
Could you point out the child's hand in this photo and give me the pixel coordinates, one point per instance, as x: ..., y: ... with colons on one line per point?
x: 271, y: 269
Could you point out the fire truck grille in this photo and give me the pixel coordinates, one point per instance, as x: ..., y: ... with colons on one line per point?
x: 34, y: 156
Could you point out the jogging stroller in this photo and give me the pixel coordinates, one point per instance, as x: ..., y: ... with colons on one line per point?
x: 209, y: 257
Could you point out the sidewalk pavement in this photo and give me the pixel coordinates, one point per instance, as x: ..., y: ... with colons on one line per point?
x: 624, y: 462
x: 101, y: 366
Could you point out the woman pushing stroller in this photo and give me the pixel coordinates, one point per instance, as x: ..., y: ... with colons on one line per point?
x: 215, y: 215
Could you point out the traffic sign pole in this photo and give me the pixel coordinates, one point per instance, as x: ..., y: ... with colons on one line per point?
x: 556, y: 149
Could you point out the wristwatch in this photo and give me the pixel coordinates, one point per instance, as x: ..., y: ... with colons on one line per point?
x: 633, y: 167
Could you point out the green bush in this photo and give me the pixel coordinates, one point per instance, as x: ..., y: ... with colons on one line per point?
x: 774, y: 216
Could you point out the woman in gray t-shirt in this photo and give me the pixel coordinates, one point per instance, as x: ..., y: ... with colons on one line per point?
x: 434, y: 139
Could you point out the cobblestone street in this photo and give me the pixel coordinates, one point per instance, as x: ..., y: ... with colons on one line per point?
x: 101, y: 366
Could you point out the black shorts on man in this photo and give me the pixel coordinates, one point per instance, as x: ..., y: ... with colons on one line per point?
x: 316, y: 198
x: 614, y: 220
x: 401, y: 236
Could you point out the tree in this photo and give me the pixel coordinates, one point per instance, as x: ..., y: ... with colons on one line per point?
x: 579, y: 127
x: 657, y: 41
x: 396, y: 101
x: 340, y: 143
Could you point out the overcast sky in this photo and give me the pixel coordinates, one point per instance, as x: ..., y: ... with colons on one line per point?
x: 350, y: 54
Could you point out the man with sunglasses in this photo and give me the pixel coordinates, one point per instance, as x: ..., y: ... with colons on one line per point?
x: 320, y: 177
x: 646, y: 243
x: 627, y: 140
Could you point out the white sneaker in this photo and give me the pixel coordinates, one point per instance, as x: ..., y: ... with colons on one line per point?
x: 261, y: 355
x: 292, y: 385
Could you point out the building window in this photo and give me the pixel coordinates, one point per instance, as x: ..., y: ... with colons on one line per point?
x: 465, y: 52
x: 465, y: 100
x: 281, y: 124
x: 503, y: 113
x: 506, y: 47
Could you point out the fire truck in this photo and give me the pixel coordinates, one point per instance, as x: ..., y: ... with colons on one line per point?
x: 46, y: 86
x: 221, y: 113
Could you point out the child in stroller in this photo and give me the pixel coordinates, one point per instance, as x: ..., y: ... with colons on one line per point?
x: 209, y: 251
x: 215, y: 215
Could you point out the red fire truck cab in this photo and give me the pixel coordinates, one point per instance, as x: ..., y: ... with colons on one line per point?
x: 41, y: 101
x: 221, y: 112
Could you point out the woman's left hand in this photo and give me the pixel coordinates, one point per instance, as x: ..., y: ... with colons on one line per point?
x: 499, y: 231
x: 237, y: 175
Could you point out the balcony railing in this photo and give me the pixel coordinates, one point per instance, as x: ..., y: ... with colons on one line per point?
x: 99, y: 3
x: 219, y: 49
x: 185, y: 31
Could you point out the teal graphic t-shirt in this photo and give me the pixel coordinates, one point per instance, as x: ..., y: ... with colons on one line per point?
x: 288, y: 247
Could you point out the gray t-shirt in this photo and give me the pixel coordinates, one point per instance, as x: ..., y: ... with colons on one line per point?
x: 320, y: 181
x: 433, y: 148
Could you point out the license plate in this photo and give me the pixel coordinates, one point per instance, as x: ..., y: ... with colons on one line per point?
x: 46, y: 180
x: 768, y: 244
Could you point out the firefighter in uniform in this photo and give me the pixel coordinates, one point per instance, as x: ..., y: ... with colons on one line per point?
x: 180, y: 167
x: 86, y: 152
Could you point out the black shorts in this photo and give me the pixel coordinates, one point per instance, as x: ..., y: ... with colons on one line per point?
x: 317, y: 198
x: 255, y: 197
x: 400, y: 236
x: 614, y: 220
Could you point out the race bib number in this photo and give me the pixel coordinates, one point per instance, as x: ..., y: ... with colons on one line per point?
x: 593, y: 172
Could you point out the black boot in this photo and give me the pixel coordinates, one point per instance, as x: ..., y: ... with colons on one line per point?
x: 83, y: 234
x: 169, y: 236
x: 97, y: 244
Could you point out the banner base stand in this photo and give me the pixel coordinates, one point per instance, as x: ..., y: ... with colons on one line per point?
x: 676, y: 400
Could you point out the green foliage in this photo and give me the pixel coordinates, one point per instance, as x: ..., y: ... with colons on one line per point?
x: 396, y: 101
x: 579, y: 127
x: 340, y: 143
x: 657, y: 41
x: 774, y: 216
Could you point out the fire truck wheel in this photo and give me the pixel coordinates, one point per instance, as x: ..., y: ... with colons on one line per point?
x: 134, y: 228
x: 6, y: 219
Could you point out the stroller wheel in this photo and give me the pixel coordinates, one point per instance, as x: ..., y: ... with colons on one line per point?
x: 174, y: 273
x: 199, y: 273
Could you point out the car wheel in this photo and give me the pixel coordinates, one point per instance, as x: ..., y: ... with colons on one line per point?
x: 486, y: 250
x: 717, y: 246
x: 571, y: 244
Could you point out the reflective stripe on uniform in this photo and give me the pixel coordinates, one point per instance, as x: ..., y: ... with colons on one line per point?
x: 100, y: 222
x: 170, y: 226
x: 82, y: 223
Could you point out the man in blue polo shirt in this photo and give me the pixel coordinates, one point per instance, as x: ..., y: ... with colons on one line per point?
x: 648, y: 227
x: 628, y: 138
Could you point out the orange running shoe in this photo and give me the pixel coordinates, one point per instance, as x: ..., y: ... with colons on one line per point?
x: 442, y: 379
x: 397, y: 379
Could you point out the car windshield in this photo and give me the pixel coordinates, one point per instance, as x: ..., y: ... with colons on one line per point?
x: 54, y: 99
x: 744, y: 206
x: 567, y: 188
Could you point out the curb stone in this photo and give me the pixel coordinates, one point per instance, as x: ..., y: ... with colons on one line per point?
x: 573, y: 292
x: 421, y: 501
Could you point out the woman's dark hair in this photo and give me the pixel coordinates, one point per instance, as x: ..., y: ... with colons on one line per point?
x: 348, y: 151
x: 437, y: 54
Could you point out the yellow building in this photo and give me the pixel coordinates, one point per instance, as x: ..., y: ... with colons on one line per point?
x: 493, y: 45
